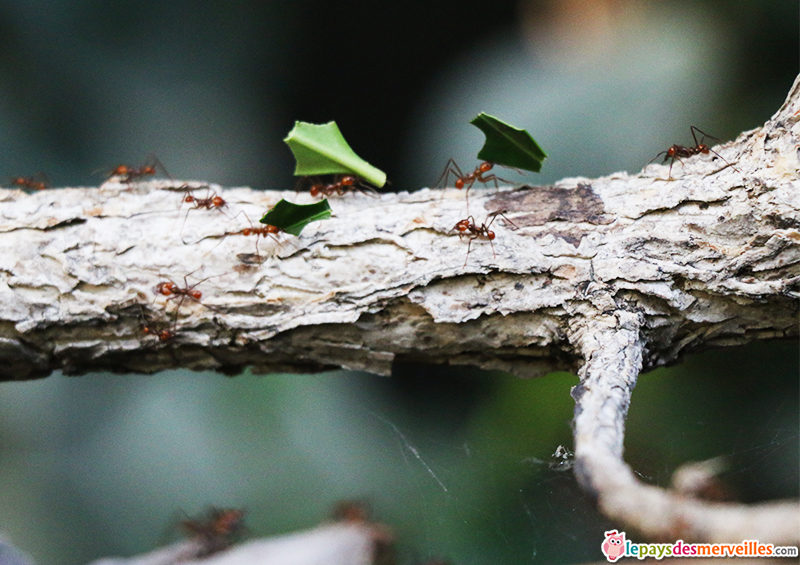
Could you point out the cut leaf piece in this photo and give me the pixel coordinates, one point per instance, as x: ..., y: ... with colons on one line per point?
x: 322, y: 150
x: 292, y: 218
x: 508, y: 146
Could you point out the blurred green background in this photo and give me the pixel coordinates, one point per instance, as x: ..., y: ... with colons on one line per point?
x: 105, y: 464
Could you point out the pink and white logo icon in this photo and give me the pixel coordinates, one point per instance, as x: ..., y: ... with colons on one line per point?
x: 614, y: 545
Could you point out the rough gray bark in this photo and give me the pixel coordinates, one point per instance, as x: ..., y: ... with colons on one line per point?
x: 609, y: 276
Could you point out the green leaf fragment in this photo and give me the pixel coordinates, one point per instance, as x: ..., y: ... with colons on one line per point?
x: 322, y: 150
x: 292, y: 218
x: 507, y: 145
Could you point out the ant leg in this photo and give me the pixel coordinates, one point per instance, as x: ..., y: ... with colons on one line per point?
x: 493, y: 217
x: 469, y: 245
x: 183, y: 224
x: 701, y: 132
x: 669, y: 173
x: 657, y: 156
x: 506, y: 218
x: 450, y: 168
x: 157, y: 163
x: 726, y: 162
x: 366, y: 189
x: 493, y: 178
x: 466, y: 195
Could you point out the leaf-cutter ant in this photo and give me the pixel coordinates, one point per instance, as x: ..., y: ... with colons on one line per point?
x: 39, y: 181
x: 341, y: 185
x: 471, y: 230
x: 259, y: 231
x: 467, y: 180
x: 128, y: 174
x: 212, y: 201
x: 151, y: 329
x: 208, y: 203
x: 677, y: 152
x: 172, y: 290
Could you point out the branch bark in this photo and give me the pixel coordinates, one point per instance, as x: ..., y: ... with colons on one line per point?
x: 333, y: 544
x: 610, y: 276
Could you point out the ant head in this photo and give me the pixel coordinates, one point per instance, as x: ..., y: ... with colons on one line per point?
x: 486, y: 166
x: 120, y: 170
x: 459, y: 184
x: 348, y: 180
x: 196, y: 294
x: 489, y: 235
x: 149, y: 170
x: 671, y: 152
x: 314, y: 190
x: 165, y: 335
x: 702, y: 148
x: 188, y: 198
x: 217, y: 201
x: 247, y: 231
x: 166, y: 288
x: 273, y: 229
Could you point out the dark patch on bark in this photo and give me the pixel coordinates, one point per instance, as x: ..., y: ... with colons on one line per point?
x: 542, y: 204
x: 573, y: 237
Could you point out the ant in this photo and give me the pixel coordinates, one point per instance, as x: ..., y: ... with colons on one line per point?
x: 469, y: 228
x: 260, y: 231
x: 147, y: 329
x: 127, y: 173
x: 341, y: 185
x: 462, y: 180
x: 676, y: 152
x: 39, y: 181
x: 212, y: 201
x: 217, y: 531
x: 171, y: 290
x: 208, y: 203
x: 264, y: 230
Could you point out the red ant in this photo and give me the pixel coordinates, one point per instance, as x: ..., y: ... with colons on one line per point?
x: 171, y: 290
x: 217, y: 531
x: 341, y: 185
x: 260, y: 231
x: 39, y: 181
x: 676, y: 152
x: 162, y: 335
x: 127, y: 173
x: 208, y: 203
x: 469, y: 228
x: 212, y: 201
x: 462, y: 180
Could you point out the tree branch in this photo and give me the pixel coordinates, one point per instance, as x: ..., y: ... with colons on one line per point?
x: 610, y: 275
x: 710, y: 257
x: 332, y: 544
x: 613, y: 349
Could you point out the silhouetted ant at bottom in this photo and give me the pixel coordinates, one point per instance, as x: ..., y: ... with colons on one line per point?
x: 218, y: 530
